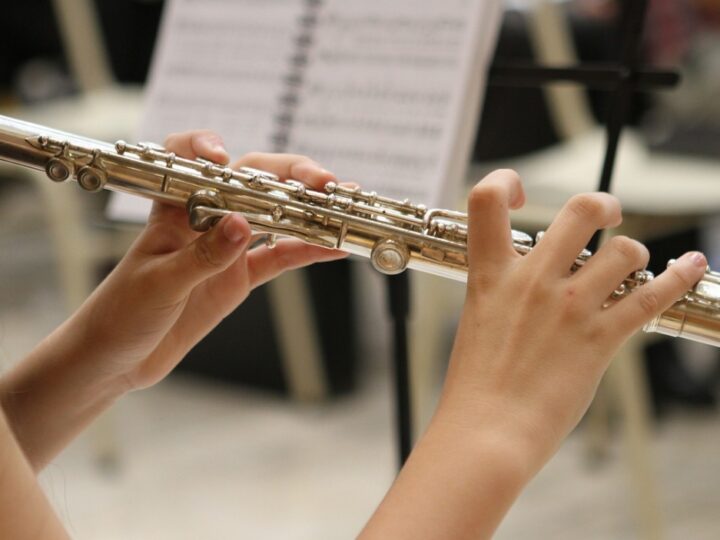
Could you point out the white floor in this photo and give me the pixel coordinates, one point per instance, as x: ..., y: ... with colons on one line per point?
x: 207, y: 461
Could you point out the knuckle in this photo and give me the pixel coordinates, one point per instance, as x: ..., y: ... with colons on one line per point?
x: 205, y: 256
x: 648, y: 300
x: 586, y: 206
x: 574, y: 307
x: 538, y: 291
x: 630, y: 249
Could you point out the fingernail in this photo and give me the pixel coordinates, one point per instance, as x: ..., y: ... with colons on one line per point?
x: 215, y: 144
x: 695, y: 257
x: 233, y: 231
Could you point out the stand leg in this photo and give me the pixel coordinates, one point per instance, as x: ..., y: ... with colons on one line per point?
x: 297, y: 333
x: 399, y: 306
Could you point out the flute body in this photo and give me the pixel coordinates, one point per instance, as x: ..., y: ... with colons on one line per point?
x: 393, y: 234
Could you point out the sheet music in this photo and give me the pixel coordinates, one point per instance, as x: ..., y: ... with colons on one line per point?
x: 387, y: 88
x: 220, y: 64
x: 384, y: 94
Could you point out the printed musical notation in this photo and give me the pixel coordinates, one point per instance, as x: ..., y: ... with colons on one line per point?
x: 387, y: 89
x: 220, y: 65
x: 384, y: 94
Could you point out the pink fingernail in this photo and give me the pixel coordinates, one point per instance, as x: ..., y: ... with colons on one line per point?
x: 699, y: 259
x: 695, y: 257
x: 215, y: 143
x: 233, y: 231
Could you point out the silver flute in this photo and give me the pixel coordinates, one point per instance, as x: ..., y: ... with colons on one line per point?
x: 393, y: 234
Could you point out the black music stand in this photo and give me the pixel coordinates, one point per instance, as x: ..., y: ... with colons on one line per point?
x: 621, y: 79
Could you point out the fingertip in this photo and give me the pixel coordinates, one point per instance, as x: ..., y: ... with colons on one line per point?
x: 695, y: 259
x: 235, y: 229
x: 327, y: 174
x: 511, y: 179
x: 312, y: 173
x: 209, y: 145
x: 336, y: 254
x: 518, y: 199
x: 688, y: 269
x: 615, y: 208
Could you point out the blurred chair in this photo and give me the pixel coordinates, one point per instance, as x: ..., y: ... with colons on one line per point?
x: 659, y: 193
x: 104, y: 110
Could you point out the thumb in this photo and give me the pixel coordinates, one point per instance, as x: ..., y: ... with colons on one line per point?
x: 210, y: 253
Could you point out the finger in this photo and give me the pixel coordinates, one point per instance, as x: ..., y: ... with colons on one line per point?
x: 605, y: 271
x: 651, y: 299
x: 167, y: 230
x: 212, y: 301
x: 202, y: 143
x: 263, y: 263
x: 209, y: 254
x: 288, y: 166
x: 573, y: 228
x: 489, y: 236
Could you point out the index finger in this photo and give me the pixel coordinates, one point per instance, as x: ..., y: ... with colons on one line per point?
x: 489, y: 233
x: 288, y: 166
x: 653, y: 298
x: 202, y: 143
x: 572, y: 229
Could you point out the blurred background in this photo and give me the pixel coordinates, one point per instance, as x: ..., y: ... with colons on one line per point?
x: 240, y: 444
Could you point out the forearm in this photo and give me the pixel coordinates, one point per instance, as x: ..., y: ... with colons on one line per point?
x: 25, y: 512
x: 56, y: 391
x: 458, y: 482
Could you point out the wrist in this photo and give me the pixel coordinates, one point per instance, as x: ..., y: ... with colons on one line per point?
x: 86, y: 353
x: 458, y: 482
x: 70, y: 366
x: 55, y: 392
x: 500, y: 422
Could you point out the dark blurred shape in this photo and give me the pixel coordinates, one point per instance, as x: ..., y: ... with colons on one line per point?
x: 130, y: 28
x: 672, y: 384
x: 33, y: 66
x: 29, y: 34
x: 696, y: 139
x: 515, y: 120
x: 244, y: 348
x: 42, y: 79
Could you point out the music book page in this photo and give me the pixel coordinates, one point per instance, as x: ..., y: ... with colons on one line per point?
x: 384, y: 94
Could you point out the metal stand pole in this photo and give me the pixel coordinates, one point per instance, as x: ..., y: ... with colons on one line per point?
x: 398, y: 288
